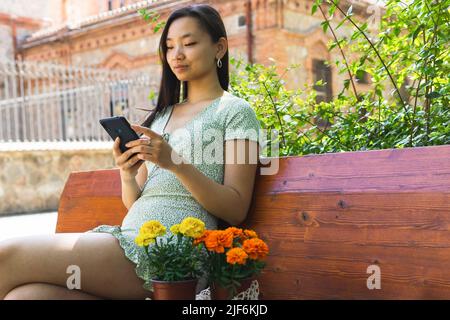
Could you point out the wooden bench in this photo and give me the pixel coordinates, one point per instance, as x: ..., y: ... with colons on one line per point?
x: 326, y: 218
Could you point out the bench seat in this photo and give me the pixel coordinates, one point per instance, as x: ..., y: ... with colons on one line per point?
x: 327, y: 218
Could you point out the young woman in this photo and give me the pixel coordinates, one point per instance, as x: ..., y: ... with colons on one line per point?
x: 197, y: 157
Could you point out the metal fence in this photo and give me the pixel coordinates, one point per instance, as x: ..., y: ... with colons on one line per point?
x: 49, y: 102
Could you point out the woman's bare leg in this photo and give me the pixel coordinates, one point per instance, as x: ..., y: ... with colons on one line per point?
x: 104, y: 269
x: 45, y: 291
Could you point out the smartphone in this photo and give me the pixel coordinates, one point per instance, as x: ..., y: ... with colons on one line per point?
x: 120, y: 127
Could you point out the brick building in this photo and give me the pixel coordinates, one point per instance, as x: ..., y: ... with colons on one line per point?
x: 111, y: 34
x: 19, y: 19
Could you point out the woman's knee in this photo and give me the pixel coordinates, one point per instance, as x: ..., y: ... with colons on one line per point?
x: 45, y: 291
x: 30, y: 291
x: 17, y: 294
x: 104, y: 270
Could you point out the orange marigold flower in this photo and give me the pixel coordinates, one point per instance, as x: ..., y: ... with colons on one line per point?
x: 225, y: 238
x: 235, y: 231
x: 236, y: 255
x: 211, y: 241
x: 255, y: 248
x: 218, y: 240
x: 250, y: 234
x: 202, y: 238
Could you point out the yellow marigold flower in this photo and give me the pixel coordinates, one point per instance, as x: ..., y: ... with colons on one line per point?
x: 236, y: 255
x: 152, y: 229
x: 192, y: 227
x: 175, y: 229
x: 255, y: 248
x: 143, y: 241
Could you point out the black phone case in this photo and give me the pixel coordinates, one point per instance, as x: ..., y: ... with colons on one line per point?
x: 119, y: 127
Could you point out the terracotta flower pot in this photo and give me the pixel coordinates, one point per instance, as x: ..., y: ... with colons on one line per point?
x: 174, y: 290
x: 221, y: 293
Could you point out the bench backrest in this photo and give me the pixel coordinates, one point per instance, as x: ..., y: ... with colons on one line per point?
x: 332, y: 221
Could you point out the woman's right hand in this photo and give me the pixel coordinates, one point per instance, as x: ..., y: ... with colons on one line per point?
x: 127, y: 162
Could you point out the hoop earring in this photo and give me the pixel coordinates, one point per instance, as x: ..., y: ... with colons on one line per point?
x: 219, y: 63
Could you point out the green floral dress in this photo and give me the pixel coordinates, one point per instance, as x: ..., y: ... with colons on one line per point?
x: 164, y: 197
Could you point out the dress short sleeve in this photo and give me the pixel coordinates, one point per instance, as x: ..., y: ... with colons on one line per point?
x: 241, y: 122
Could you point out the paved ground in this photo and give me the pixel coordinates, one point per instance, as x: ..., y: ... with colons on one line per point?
x: 27, y: 224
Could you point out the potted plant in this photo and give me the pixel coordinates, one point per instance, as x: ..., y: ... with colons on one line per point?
x: 175, y: 262
x: 234, y: 258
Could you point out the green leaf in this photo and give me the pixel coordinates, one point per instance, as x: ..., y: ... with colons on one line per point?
x: 359, y: 74
x: 331, y: 10
x: 314, y: 8
x: 325, y: 25
x: 341, y: 23
x: 332, y: 46
x: 355, y: 35
x: 416, y: 32
x: 346, y: 83
x: 433, y: 95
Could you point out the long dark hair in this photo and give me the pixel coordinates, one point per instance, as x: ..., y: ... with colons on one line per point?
x: 170, y: 88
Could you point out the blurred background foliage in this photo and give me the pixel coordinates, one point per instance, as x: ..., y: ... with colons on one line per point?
x: 407, y: 61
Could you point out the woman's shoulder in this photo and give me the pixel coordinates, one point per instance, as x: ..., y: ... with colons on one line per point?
x: 239, y: 119
x: 232, y: 105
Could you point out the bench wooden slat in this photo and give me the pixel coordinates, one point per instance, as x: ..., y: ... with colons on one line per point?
x: 327, y: 218
x: 89, y: 199
x: 423, y: 168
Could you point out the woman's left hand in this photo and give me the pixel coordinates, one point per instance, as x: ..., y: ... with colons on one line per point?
x: 154, y: 148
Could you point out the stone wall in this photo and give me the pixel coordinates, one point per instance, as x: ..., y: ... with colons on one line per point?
x: 32, y: 176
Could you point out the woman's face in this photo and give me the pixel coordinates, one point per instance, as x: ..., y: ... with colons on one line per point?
x: 190, y: 46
